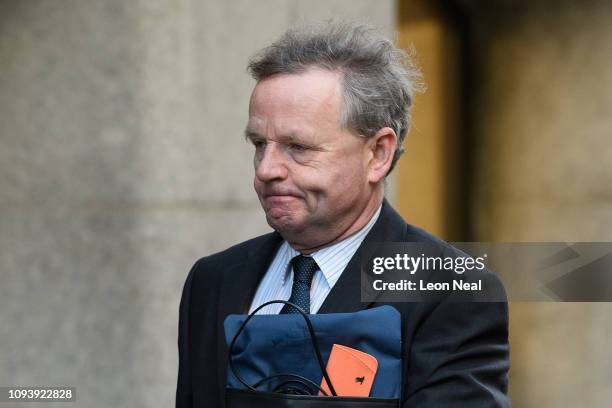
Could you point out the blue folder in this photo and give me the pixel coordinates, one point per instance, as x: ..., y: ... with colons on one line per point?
x: 274, y: 344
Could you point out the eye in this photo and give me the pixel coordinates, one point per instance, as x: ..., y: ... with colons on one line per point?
x: 298, y: 147
x: 258, y: 143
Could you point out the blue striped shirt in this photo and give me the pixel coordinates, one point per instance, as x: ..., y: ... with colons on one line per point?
x: 278, y: 280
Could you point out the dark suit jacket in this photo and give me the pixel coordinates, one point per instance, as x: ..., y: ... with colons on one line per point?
x: 455, y: 354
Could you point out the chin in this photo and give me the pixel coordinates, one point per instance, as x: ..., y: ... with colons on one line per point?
x: 286, y: 224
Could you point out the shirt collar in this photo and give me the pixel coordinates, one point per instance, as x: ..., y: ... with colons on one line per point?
x: 326, y: 258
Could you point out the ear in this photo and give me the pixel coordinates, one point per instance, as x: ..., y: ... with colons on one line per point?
x: 382, y: 147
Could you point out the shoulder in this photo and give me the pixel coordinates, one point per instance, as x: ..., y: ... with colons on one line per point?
x: 213, y: 265
x: 419, y: 235
x: 493, y: 288
x: 416, y: 234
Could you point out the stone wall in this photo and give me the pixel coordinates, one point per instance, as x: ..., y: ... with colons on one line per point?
x: 542, y: 124
x: 122, y: 161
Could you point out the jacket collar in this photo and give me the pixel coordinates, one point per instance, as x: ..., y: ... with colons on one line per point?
x: 345, y: 296
x: 239, y: 286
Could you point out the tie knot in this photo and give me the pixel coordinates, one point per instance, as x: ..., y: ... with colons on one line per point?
x: 304, y: 268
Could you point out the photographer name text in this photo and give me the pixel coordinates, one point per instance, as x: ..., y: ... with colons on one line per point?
x: 421, y: 285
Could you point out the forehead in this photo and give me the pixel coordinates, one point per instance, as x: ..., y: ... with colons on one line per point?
x: 313, y: 97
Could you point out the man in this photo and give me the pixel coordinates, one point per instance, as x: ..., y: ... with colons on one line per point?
x: 327, y: 119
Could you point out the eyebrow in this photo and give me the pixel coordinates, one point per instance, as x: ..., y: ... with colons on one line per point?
x: 250, y: 134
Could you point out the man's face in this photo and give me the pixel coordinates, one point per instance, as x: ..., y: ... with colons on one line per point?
x: 310, y: 172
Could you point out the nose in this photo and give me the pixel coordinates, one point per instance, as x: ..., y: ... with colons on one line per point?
x: 270, y: 164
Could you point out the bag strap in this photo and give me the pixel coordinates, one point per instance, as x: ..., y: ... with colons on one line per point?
x: 296, y: 377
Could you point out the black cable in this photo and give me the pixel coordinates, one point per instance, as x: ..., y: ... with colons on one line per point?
x: 313, y: 339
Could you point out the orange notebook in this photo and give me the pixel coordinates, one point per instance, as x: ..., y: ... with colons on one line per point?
x: 351, y: 372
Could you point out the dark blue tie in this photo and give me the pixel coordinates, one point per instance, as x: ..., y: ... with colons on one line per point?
x: 304, y: 268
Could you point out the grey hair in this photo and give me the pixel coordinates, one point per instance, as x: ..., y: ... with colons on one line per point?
x: 379, y: 79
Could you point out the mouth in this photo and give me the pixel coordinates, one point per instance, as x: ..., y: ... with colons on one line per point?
x: 279, y: 199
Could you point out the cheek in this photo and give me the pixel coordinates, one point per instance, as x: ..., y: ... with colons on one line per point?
x: 257, y: 186
x: 352, y: 182
x: 352, y: 174
x: 345, y: 174
x: 340, y: 187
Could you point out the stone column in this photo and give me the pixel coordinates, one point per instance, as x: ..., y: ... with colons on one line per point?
x: 122, y: 161
x: 542, y: 101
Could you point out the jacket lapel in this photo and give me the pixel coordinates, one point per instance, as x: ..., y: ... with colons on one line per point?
x: 241, y: 281
x: 345, y: 296
x: 237, y: 290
